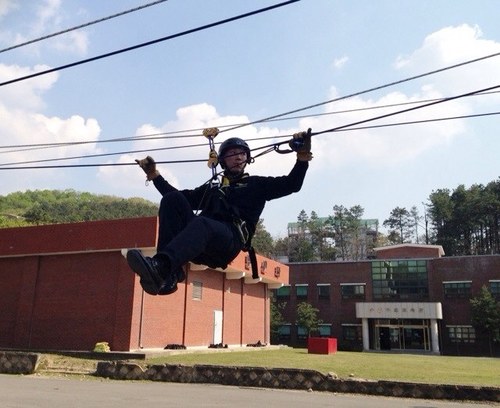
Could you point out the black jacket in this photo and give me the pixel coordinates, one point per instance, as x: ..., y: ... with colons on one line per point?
x: 244, y: 198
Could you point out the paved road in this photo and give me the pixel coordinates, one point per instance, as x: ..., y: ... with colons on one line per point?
x: 59, y: 392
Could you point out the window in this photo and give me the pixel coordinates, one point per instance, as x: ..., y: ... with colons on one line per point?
x: 301, y: 291
x: 351, y: 332
x: 352, y: 290
x: 324, y: 291
x: 457, y: 289
x: 283, y: 293
x: 301, y: 333
x: 461, y: 334
x: 325, y: 330
x: 400, y: 280
x: 197, y: 290
x: 495, y: 288
x: 285, y: 330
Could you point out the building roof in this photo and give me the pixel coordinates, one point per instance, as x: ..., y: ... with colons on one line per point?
x: 91, y: 236
x: 118, y: 235
x: 369, y: 222
x: 438, y: 249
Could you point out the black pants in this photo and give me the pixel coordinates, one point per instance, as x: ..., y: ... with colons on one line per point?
x: 185, y: 237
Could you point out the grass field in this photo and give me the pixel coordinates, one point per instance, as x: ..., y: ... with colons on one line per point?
x: 479, y: 371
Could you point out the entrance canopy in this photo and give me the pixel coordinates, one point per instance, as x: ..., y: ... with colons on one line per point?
x: 399, y: 310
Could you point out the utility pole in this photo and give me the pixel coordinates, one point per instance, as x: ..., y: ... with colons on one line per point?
x: 426, y: 224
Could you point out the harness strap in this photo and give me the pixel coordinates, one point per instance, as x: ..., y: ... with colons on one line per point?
x: 253, y: 262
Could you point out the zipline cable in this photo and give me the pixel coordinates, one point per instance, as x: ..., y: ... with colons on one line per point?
x: 148, y: 43
x: 342, y: 129
x: 377, y: 88
x: 194, y: 133
x: 450, y: 98
x: 275, y: 146
x: 103, y: 154
x: 45, y: 37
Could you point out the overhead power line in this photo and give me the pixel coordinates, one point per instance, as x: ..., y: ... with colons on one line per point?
x: 377, y: 88
x: 272, y: 146
x: 195, y: 132
x: 451, y: 98
x: 148, y: 43
x: 345, y: 128
x: 277, y: 117
x: 45, y: 37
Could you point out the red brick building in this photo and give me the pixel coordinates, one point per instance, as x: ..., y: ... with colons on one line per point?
x: 68, y: 286
x: 409, y: 298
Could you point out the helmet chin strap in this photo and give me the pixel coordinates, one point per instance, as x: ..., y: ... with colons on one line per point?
x: 233, y: 174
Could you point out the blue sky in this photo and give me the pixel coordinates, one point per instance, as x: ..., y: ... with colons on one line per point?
x: 299, y: 55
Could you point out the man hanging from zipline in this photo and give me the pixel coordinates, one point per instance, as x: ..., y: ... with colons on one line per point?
x: 228, y: 214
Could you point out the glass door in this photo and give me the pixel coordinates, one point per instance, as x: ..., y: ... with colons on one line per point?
x: 402, y: 335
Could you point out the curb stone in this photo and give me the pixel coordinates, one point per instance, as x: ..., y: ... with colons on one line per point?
x: 295, y: 379
x: 18, y: 363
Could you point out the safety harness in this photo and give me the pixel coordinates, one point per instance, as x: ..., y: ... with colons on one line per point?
x: 239, y: 224
x: 241, y: 227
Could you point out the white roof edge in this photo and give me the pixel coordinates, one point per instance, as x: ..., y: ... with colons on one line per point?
x: 406, y: 245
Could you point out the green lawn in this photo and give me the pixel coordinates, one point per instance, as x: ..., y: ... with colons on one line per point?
x: 375, y: 366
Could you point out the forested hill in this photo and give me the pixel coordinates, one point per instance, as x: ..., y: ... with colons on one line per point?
x: 56, y: 206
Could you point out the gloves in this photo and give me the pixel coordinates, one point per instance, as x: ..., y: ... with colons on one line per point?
x: 149, y: 166
x: 301, y: 143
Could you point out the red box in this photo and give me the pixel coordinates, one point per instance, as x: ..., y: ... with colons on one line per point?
x: 322, y: 345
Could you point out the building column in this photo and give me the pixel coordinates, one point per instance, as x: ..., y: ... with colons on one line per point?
x: 434, y: 336
x: 366, y: 334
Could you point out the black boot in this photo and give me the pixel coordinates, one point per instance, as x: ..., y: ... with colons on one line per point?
x: 170, y: 284
x: 154, y: 272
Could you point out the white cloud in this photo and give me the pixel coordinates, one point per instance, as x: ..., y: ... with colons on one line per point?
x: 45, y: 18
x: 390, y: 146
x: 25, y: 129
x: 47, y: 12
x: 6, y: 6
x: 127, y: 180
x: 446, y: 46
x: 24, y: 94
x: 22, y: 125
x: 386, y: 147
x: 450, y: 46
x: 191, y: 146
x: 338, y: 63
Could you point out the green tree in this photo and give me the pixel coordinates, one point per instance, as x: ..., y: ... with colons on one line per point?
x: 307, y: 317
x: 38, y: 214
x: 400, y: 224
x: 55, y: 206
x: 441, y: 214
x: 416, y: 218
x: 277, y: 320
x: 262, y: 241
x: 357, y: 239
x: 340, y: 224
x: 321, y: 238
x: 300, y: 247
x: 349, y: 233
x: 466, y: 221
x: 281, y: 247
x: 485, y: 316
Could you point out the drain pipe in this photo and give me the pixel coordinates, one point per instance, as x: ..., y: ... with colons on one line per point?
x: 141, y: 320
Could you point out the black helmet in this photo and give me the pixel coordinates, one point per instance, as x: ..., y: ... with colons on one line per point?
x: 230, y: 143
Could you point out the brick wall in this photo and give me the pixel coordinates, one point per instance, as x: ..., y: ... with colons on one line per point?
x: 255, y: 314
x: 231, y: 330
x: 78, y: 290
